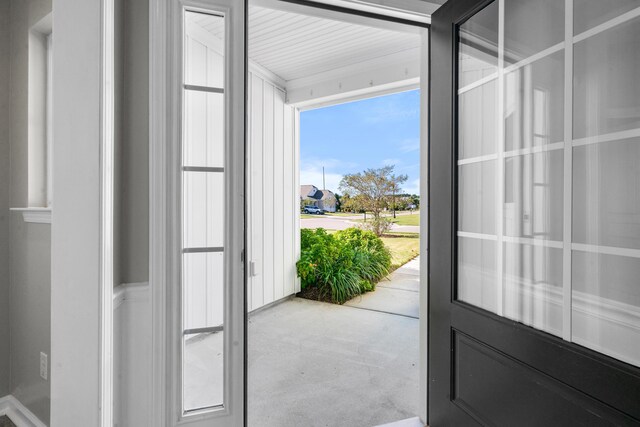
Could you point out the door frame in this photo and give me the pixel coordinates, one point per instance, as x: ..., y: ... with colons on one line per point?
x: 161, y: 67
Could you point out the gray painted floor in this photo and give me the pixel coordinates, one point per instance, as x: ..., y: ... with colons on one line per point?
x: 318, y: 364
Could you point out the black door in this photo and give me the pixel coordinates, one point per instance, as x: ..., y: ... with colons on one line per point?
x: 534, y: 231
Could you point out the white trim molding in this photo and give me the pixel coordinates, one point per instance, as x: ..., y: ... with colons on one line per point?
x: 423, y: 407
x: 35, y: 215
x: 158, y: 185
x: 18, y: 413
x: 107, y: 208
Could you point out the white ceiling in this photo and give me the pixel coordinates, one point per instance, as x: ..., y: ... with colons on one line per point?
x: 294, y: 45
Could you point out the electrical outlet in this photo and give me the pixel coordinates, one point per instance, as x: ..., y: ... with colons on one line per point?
x: 44, y: 365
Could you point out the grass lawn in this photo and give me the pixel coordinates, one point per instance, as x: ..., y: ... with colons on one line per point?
x: 403, y: 246
x: 413, y: 219
x: 341, y: 214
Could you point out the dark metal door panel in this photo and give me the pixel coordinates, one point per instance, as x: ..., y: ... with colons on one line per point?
x: 485, y: 369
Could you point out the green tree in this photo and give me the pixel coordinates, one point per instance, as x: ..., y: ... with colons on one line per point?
x: 338, y: 202
x: 415, y: 200
x: 373, y: 190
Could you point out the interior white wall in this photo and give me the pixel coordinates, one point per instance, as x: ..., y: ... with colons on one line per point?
x: 4, y: 197
x: 273, y: 204
x: 76, y: 227
x: 132, y: 309
x: 29, y: 243
x: 132, y: 333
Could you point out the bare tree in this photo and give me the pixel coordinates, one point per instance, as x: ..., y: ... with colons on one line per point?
x: 374, y: 190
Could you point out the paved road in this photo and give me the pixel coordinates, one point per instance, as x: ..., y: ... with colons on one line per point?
x: 340, y: 223
x: 328, y: 222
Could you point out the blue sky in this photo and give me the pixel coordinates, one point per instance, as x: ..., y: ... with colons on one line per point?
x: 352, y: 137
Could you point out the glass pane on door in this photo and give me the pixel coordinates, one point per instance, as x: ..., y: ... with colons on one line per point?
x: 548, y: 169
x: 605, y: 307
x: 203, y: 219
x: 477, y: 165
x: 510, y: 145
x: 478, y: 50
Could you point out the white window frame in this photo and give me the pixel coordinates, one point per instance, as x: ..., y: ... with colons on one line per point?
x: 166, y: 69
x: 49, y: 120
x: 40, y: 138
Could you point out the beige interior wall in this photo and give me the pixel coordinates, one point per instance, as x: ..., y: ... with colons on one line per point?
x: 29, y: 244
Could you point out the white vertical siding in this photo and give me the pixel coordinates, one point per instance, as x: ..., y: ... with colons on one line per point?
x: 290, y: 203
x: 279, y: 207
x: 255, y: 241
x: 268, y: 191
x: 296, y: 177
x: 272, y: 223
x: 272, y: 193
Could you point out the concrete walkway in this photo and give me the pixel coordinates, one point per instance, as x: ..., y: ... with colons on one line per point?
x: 399, y: 294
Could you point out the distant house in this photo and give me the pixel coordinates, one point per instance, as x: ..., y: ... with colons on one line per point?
x: 324, y: 199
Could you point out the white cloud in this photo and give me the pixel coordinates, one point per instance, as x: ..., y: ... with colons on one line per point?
x: 311, y: 172
x: 412, y: 187
x: 409, y: 145
x: 313, y: 176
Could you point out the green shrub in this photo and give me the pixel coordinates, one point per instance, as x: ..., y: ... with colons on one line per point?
x: 343, y: 265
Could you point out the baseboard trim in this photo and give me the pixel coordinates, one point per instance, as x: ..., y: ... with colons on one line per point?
x: 18, y: 413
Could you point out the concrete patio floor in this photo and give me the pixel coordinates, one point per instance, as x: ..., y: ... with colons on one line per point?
x: 318, y: 364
